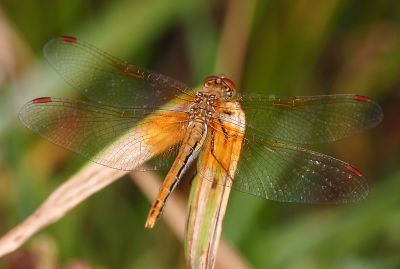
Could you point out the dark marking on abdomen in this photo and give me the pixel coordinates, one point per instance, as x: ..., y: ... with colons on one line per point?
x: 173, y: 186
x: 214, y: 183
x: 185, y: 161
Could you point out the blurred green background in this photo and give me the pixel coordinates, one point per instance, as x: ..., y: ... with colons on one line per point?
x: 299, y: 47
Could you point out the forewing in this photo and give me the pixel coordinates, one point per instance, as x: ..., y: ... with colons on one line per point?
x: 117, y: 138
x: 108, y: 80
x: 309, y: 119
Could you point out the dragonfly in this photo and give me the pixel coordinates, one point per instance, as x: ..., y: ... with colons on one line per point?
x: 132, y: 115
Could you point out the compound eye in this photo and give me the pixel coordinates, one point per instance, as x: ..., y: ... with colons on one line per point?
x: 229, y: 83
x: 208, y: 81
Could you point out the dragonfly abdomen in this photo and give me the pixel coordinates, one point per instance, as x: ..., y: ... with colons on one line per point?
x: 188, y: 152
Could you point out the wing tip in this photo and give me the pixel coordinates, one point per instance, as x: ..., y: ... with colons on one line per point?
x: 53, y: 43
x: 25, y: 109
x: 375, y: 107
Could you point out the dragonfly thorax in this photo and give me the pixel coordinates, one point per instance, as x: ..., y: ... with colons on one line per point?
x: 214, y: 89
x: 203, y: 108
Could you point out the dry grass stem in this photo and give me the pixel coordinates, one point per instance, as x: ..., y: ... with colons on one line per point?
x: 175, y: 216
x: 14, y: 55
x: 231, y: 57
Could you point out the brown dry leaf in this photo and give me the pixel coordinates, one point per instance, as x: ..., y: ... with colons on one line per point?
x: 175, y: 216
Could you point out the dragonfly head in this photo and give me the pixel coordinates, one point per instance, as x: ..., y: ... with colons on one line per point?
x: 220, y: 86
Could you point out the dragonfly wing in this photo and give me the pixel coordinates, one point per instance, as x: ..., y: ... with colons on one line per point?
x: 278, y: 171
x: 114, y: 137
x: 108, y: 80
x: 310, y: 119
x: 287, y: 173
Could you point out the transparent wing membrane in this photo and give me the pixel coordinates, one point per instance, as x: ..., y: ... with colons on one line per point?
x: 108, y: 80
x: 310, y: 119
x: 287, y: 173
x: 138, y: 114
x: 116, y: 138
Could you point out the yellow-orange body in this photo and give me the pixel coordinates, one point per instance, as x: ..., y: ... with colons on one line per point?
x: 205, y: 109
